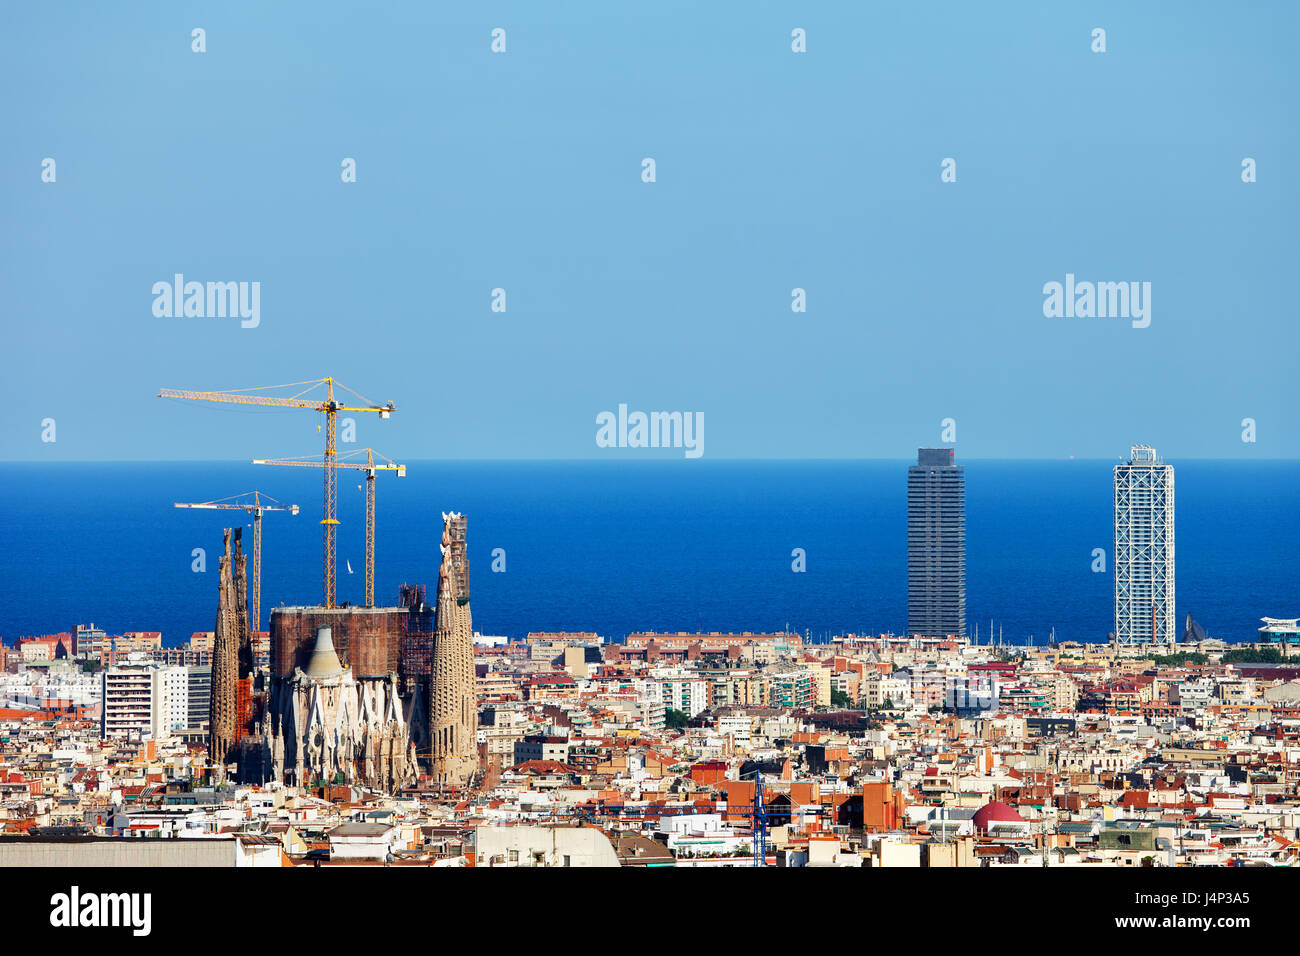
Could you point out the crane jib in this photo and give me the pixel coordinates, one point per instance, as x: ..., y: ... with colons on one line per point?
x: 330, y: 407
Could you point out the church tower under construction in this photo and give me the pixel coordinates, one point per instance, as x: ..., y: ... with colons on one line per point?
x: 453, y: 715
x: 232, y: 656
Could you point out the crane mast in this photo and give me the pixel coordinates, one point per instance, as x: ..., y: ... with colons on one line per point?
x: 330, y: 407
x: 329, y: 507
x: 255, y: 507
x: 370, y: 468
x: 370, y: 528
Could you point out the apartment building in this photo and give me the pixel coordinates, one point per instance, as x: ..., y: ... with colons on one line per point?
x: 795, y: 689
x: 681, y: 690
x: 143, y: 697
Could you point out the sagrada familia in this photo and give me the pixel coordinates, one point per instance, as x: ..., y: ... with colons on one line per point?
x: 377, y: 696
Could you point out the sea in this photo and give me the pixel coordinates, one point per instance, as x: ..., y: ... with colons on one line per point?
x: 622, y: 546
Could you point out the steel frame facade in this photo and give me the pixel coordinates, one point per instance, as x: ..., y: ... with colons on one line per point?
x: 1144, y: 549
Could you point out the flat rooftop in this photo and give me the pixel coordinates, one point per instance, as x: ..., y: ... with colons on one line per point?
x: 346, y: 609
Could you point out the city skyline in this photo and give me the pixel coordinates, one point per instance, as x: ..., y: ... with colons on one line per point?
x: 672, y: 318
x: 1059, y: 582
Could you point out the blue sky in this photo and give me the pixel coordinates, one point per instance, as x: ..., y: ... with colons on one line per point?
x: 775, y: 170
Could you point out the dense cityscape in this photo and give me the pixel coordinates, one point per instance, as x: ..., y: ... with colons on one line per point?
x: 399, y: 736
x: 988, y: 562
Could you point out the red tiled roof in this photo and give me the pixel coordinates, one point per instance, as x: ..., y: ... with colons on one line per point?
x: 995, y: 812
x: 7, y: 713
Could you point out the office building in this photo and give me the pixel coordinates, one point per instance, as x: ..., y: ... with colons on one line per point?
x: 936, y: 545
x: 199, y: 680
x: 1144, y: 549
x: 88, y: 641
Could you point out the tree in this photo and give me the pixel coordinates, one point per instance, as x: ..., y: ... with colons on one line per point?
x: 1260, y: 655
x: 840, y: 699
x: 675, y: 719
x: 1177, y: 660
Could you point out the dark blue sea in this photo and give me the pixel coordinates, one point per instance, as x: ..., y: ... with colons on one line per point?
x: 622, y: 546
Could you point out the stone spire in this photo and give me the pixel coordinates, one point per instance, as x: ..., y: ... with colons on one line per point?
x: 453, y: 708
x: 232, y: 651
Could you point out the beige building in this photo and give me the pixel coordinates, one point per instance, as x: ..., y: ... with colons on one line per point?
x: 575, y: 661
x: 822, y: 674
x: 878, y: 689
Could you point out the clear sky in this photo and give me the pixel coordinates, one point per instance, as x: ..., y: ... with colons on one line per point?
x: 775, y: 170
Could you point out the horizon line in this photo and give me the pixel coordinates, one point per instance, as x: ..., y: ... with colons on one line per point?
x: 617, y: 459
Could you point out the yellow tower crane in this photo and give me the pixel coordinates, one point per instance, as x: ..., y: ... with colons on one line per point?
x: 370, y: 468
x: 330, y: 406
x: 255, y: 508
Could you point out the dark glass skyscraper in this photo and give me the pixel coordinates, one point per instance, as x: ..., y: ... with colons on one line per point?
x: 936, y: 545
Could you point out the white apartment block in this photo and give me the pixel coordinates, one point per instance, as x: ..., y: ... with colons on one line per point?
x: 738, y: 726
x: 143, y: 697
x: 689, y: 694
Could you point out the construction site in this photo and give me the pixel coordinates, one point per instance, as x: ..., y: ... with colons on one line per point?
x: 378, y: 696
